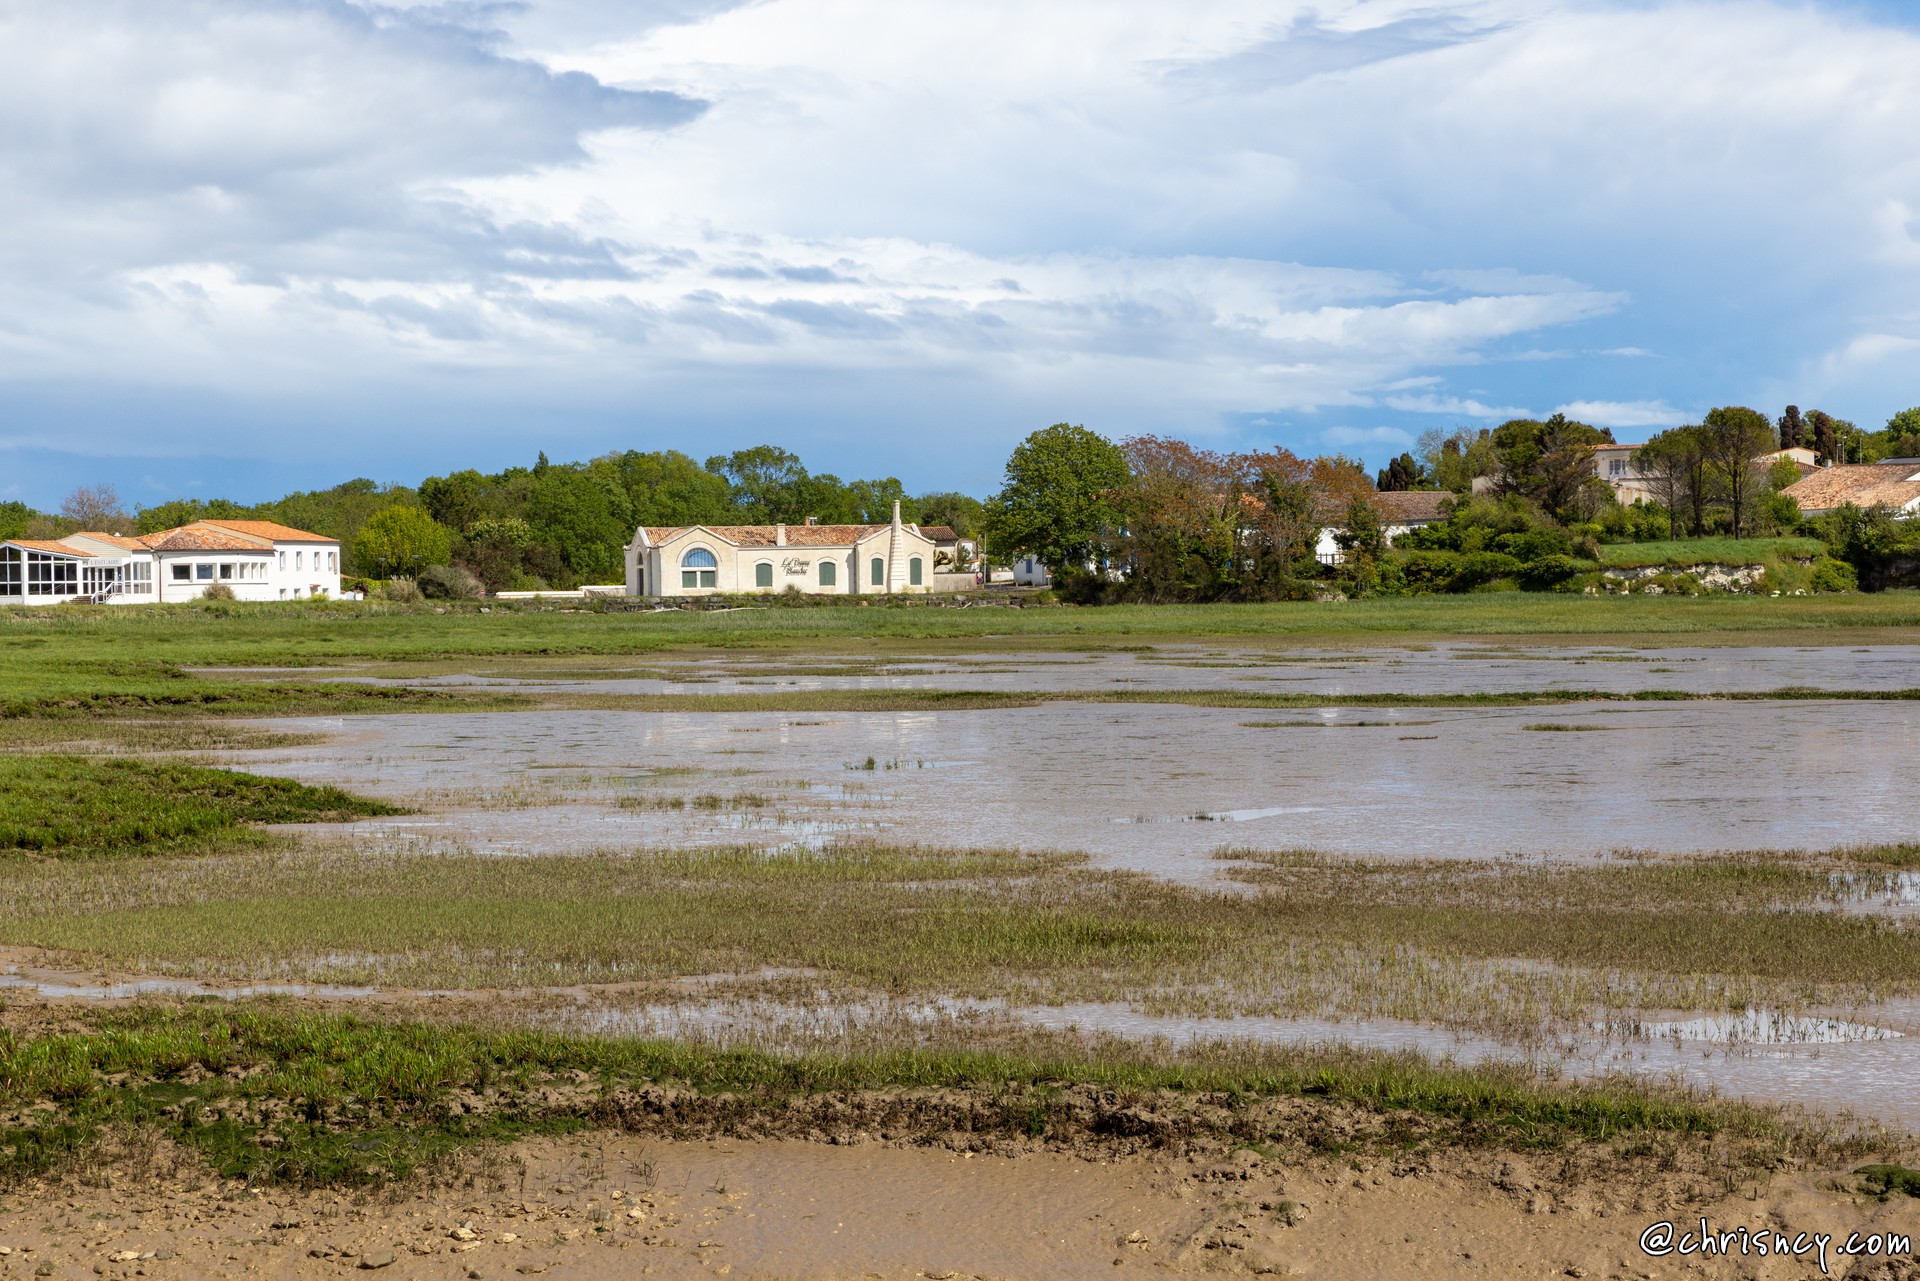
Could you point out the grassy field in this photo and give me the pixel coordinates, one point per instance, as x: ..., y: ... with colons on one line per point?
x: 1711, y: 551
x: 77, y: 806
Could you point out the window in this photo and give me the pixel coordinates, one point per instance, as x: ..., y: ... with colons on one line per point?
x: 51, y: 575
x: 828, y: 578
x: 283, y: 560
x: 182, y: 573
x: 203, y: 572
x: 913, y: 572
x: 299, y: 559
x: 226, y: 571
x: 333, y: 562
x: 763, y: 574
x: 698, y: 568
x: 877, y: 572
x: 9, y: 572
x: 1617, y: 467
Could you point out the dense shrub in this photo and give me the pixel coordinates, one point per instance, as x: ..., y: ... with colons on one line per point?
x: 450, y: 582
x: 1830, y: 575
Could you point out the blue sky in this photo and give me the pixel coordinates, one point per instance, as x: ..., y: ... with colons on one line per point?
x: 251, y: 247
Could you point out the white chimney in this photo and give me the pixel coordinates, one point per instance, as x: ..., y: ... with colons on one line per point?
x: 779, y: 535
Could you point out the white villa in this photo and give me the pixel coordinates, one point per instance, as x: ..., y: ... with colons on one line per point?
x: 257, y: 559
x: 821, y: 560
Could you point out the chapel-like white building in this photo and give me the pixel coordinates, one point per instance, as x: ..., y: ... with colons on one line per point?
x: 845, y: 560
x: 257, y: 559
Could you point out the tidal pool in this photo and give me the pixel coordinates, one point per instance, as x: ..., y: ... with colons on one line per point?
x: 1440, y: 667
x: 1144, y: 787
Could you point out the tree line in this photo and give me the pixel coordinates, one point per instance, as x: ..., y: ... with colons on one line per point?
x: 547, y: 525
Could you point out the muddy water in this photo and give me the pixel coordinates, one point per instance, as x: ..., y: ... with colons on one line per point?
x: 1441, y: 667
x: 1151, y: 788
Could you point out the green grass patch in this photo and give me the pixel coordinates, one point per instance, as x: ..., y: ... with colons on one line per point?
x: 76, y: 806
x: 1710, y: 551
x: 326, y: 1099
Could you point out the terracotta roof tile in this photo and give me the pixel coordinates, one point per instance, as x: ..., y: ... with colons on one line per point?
x: 269, y: 530
x: 1864, y: 485
x: 198, y: 538
x: 940, y: 533
x: 132, y: 544
x: 801, y: 536
x: 1410, y: 506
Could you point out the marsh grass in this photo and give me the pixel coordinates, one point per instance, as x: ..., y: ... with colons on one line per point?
x: 78, y: 806
x: 1519, y: 952
x: 275, y: 1097
x: 112, y: 736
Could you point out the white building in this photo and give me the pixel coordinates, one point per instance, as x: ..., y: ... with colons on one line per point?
x: 821, y: 560
x: 1401, y: 512
x: 257, y: 560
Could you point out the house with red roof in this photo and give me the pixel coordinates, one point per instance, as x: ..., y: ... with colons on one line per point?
x: 256, y: 560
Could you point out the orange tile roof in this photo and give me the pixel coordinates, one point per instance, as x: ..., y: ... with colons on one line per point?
x: 1410, y: 506
x: 269, y: 530
x: 800, y: 536
x: 1862, y: 484
x: 45, y: 545
x: 132, y: 544
x: 196, y: 538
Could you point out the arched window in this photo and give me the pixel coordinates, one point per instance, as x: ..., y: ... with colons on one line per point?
x: 913, y: 572
x: 828, y: 576
x: 877, y: 572
x: 698, y: 568
x: 763, y: 574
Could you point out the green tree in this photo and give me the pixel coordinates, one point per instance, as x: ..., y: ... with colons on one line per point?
x: 1677, y: 466
x: 962, y: 513
x: 1794, y: 432
x: 1454, y: 461
x: 1735, y: 436
x: 401, y: 540
x: 15, y: 516
x: 184, y: 511
x: 582, y: 513
x: 1400, y: 474
x: 1059, y: 497
x: 669, y: 488
x: 767, y: 485
x: 1548, y: 462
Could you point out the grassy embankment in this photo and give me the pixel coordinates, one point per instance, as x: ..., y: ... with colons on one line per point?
x: 270, y: 1096
x: 76, y: 806
x: 1711, y: 551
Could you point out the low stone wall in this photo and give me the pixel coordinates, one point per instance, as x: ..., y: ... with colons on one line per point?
x: 1712, y: 577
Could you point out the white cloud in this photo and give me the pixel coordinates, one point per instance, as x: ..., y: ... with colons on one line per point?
x: 1631, y: 413
x: 1143, y: 216
x: 1346, y: 437
x: 1454, y: 405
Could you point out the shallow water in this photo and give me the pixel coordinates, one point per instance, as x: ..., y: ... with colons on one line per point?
x: 1834, y: 1064
x: 1441, y: 667
x: 1150, y: 788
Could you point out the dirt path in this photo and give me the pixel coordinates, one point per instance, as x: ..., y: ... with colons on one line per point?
x: 617, y: 1206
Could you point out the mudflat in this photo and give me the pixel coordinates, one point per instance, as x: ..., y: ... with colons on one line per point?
x: 617, y: 1205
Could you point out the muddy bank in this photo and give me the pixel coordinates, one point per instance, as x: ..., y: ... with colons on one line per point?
x: 614, y: 1205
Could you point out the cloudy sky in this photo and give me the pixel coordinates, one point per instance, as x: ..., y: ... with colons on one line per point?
x: 254, y: 245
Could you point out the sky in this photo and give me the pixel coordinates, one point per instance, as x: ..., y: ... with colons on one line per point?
x: 252, y: 246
